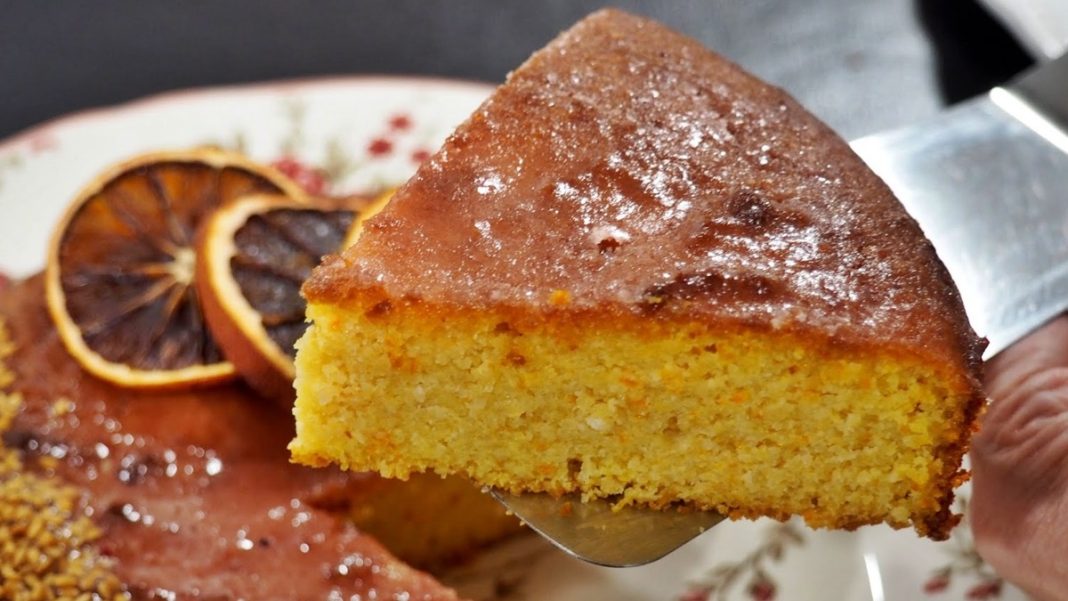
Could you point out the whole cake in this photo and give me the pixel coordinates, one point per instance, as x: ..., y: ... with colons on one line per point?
x: 111, y: 493
x: 638, y: 272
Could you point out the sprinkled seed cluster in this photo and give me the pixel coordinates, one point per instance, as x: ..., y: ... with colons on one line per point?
x: 44, y: 535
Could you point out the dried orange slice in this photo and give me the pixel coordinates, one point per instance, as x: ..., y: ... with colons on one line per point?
x: 119, y: 277
x: 253, y: 256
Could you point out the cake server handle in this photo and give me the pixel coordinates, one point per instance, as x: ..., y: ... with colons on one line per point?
x: 987, y: 181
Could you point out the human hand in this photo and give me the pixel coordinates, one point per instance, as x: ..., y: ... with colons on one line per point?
x: 1019, y: 505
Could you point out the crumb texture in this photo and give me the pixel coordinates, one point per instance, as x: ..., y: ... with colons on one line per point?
x: 742, y: 423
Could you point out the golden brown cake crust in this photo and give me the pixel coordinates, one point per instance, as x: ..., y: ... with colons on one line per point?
x: 639, y: 172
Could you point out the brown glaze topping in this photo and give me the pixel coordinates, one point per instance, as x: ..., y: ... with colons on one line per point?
x: 193, y: 493
x: 626, y: 161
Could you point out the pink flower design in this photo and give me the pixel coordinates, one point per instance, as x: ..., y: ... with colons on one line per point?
x: 41, y: 142
x: 938, y: 582
x: 312, y: 179
x: 420, y: 155
x: 936, y: 585
x: 751, y: 569
x: 965, y: 565
x: 987, y: 589
x: 762, y: 589
x: 380, y: 147
x: 400, y: 122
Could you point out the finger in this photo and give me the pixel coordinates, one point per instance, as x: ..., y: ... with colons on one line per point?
x: 1023, y: 438
x: 1020, y: 463
x: 1024, y: 435
x: 1043, y: 349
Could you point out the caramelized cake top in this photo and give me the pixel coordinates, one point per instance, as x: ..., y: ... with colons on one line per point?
x: 626, y: 169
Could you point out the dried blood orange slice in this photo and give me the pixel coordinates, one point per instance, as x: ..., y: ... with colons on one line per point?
x: 119, y: 277
x: 253, y: 256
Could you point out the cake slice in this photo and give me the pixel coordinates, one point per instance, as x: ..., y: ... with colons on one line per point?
x: 639, y: 272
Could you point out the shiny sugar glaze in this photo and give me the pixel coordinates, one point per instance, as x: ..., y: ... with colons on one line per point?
x: 641, y: 174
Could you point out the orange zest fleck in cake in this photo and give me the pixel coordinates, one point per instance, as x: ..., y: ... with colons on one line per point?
x: 639, y: 272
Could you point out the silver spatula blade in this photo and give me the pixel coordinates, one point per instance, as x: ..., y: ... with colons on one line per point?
x: 988, y: 183
x: 598, y: 533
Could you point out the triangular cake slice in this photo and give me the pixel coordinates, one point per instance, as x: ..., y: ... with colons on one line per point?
x: 637, y: 271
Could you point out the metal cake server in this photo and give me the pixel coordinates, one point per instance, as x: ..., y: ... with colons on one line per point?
x: 595, y: 532
x: 988, y: 183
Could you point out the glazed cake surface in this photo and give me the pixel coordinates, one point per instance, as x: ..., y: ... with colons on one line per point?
x: 637, y: 270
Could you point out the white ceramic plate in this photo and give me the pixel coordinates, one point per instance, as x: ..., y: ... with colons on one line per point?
x: 350, y: 134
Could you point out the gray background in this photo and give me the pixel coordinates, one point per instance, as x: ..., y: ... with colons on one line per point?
x: 862, y: 65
